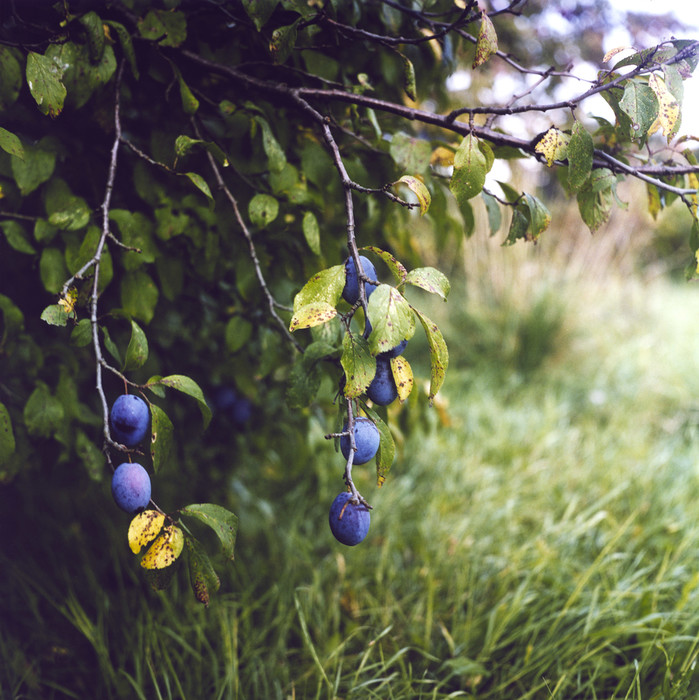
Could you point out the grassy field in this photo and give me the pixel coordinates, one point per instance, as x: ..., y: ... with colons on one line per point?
x: 538, y: 540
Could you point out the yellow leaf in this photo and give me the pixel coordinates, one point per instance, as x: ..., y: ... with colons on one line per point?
x: 403, y: 376
x: 418, y: 188
x: 144, y: 528
x: 68, y: 302
x: 165, y: 550
x: 433, y: 44
x: 613, y: 52
x: 669, y: 108
x: 693, y: 181
x: 312, y: 315
x: 654, y: 204
x: 442, y: 156
x: 553, y: 145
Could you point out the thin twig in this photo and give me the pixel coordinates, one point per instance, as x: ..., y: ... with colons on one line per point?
x: 272, y: 303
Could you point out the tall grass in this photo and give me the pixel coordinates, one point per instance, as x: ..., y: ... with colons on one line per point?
x: 538, y: 539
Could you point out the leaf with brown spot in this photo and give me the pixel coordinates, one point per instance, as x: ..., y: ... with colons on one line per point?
x: 144, y: 528
x: 553, y: 145
x: 312, y: 315
x: 165, y: 550
x: 439, y: 354
x: 403, y: 376
x: 487, y: 43
x: 394, y: 265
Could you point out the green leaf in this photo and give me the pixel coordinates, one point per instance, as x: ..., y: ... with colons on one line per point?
x: 276, y: 158
x: 190, y: 104
x: 492, y: 207
x: 303, y: 385
x: 539, y: 215
x: 44, y: 80
x: 17, y: 237
x: 81, y: 335
x: 410, y: 153
x: 7, y: 436
x: 263, y: 209
x: 358, y: 364
x: 11, y: 73
x: 470, y: 169
x: 312, y: 315
x: 237, y: 333
x: 391, y: 318
x: 136, y: 232
x: 188, y: 386
x: 221, y: 521
x: 259, y: 11
x: 137, y: 350
x: 439, y: 354
x: 34, y: 169
x: 11, y: 144
x: 431, y: 280
x: 55, y: 315
x: 184, y: 144
x: 409, y: 82
x: 90, y: 455
x: 324, y: 287
x: 387, y: 447
x: 641, y: 106
x: 43, y: 412
x: 282, y: 43
x: 311, y: 232
x: 110, y: 345
x: 418, y: 188
x: 487, y: 43
x: 65, y: 211
x: 165, y: 27
x: 81, y: 77
x: 580, y: 155
x: 161, y: 437
x: 126, y: 45
x: 139, y: 295
x: 202, y: 576
x: 94, y: 32
x: 200, y: 183
x: 394, y: 265
x: 529, y: 219
x: 596, y: 197
x: 52, y: 269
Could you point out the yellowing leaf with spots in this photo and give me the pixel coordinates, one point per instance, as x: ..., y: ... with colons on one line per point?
x: 442, y: 156
x: 403, y: 376
x: 693, y: 181
x: 418, y: 188
x: 165, y: 550
x: 487, y: 43
x: 144, y: 528
x: 553, y: 145
x: 669, y: 108
x: 312, y: 315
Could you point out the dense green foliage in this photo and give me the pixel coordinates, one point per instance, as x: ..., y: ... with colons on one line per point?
x: 180, y: 185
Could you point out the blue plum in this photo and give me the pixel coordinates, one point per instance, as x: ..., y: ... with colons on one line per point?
x: 129, y: 419
x: 237, y: 408
x: 394, y: 352
x: 366, y: 437
x: 383, y: 390
x: 350, y: 293
x: 349, y: 522
x: 131, y: 487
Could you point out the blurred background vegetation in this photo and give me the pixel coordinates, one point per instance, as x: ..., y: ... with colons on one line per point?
x: 537, y: 535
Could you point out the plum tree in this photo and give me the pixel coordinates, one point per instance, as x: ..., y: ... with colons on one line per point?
x: 349, y: 520
x: 131, y: 487
x: 129, y: 419
x: 350, y: 293
x: 366, y: 438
